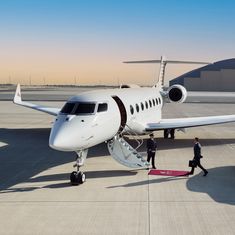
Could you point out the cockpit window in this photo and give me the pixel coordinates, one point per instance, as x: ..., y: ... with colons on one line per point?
x: 102, y: 107
x: 84, y: 108
x: 78, y: 108
x: 68, y: 108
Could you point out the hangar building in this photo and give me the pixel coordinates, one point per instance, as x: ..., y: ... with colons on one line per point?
x: 219, y: 76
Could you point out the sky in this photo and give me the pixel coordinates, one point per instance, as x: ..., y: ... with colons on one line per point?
x: 85, y: 41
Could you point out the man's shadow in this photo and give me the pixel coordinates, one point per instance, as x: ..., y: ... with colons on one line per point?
x: 218, y: 184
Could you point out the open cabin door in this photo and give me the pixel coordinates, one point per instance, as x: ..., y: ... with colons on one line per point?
x: 123, y: 113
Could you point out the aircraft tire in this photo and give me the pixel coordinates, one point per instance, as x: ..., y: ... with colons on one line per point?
x: 74, y: 178
x: 81, y: 177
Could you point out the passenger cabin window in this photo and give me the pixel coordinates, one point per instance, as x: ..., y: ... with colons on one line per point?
x: 137, y: 108
x: 102, y: 107
x: 146, y: 105
x: 153, y: 102
x: 132, y: 109
x: 78, y: 108
x: 142, y: 106
x: 156, y: 101
x: 159, y: 100
x: 150, y: 103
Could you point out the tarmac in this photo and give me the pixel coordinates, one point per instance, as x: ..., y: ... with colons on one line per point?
x: 37, y: 198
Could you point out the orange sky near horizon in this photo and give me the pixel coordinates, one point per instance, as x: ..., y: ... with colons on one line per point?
x: 61, y: 69
x: 59, y: 61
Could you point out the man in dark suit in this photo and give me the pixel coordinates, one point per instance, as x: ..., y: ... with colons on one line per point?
x: 197, y: 157
x: 151, y: 149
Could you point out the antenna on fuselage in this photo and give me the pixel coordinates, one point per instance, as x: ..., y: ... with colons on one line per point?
x: 163, y: 62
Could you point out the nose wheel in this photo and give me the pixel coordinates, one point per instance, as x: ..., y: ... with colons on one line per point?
x: 77, y: 177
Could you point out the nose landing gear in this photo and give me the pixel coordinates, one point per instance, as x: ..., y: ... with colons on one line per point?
x: 78, y: 177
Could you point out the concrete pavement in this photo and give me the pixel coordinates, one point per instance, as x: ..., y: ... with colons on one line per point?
x: 36, y: 197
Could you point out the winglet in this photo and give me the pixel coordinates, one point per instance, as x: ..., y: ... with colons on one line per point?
x: 17, y: 97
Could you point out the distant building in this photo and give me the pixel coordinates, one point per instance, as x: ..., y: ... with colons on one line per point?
x: 219, y: 76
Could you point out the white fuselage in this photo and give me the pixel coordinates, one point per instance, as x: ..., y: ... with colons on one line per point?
x: 128, y: 110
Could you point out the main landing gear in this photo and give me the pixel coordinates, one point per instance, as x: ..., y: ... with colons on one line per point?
x: 78, y: 177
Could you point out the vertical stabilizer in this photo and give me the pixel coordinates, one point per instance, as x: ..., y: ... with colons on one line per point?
x: 160, y: 82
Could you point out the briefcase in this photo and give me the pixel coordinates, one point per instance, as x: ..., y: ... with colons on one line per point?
x: 192, y: 163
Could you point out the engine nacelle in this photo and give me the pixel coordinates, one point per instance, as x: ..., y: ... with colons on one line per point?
x: 177, y: 94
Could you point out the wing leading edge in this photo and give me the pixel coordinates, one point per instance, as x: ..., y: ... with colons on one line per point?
x: 18, y: 100
x: 189, y: 122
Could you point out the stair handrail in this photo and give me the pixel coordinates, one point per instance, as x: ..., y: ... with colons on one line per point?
x: 135, y: 137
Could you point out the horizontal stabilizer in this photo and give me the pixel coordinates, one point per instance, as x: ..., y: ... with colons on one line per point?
x: 167, y: 61
x: 163, y: 62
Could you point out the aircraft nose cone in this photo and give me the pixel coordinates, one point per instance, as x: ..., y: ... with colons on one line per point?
x: 59, y: 139
x: 55, y: 142
x: 65, y: 137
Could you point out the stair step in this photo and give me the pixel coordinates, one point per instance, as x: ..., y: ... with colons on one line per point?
x: 125, y: 154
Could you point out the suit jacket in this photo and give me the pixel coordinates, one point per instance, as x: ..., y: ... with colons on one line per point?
x: 197, y: 151
x: 151, y: 145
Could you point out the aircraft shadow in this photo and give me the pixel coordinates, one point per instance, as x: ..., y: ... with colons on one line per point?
x: 26, y: 154
x: 218, y: 184
x: 89, y: 175
x: 146, y: 182
x: 164, y: 144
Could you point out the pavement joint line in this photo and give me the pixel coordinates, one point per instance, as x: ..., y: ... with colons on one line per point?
x: 222, y: 201
x: 149, y: 213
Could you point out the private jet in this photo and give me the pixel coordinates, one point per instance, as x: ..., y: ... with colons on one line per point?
x: 93, y: 117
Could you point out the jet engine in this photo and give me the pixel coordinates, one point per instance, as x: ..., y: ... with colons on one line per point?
x: 177, y: 94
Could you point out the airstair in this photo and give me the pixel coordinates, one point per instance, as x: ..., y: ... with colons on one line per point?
x: 125, y: 154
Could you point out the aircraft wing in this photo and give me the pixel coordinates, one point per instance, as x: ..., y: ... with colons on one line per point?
x: 189, y: 122
x: 18, y: 100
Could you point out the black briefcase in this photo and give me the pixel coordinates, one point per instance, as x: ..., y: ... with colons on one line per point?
x: 192, y: 163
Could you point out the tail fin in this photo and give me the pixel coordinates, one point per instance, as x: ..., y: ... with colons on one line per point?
x: 163, y: 61
x: 161, y: 76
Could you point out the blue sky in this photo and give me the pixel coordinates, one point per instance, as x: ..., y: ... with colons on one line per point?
x: 61, y: 39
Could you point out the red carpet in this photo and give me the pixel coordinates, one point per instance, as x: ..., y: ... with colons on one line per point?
x: 168, y: 172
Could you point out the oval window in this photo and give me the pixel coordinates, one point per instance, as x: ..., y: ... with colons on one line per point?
x: 153, y: 102
x: 131, y: 109
x: 142, y: 106
x: 137, y: 108
x: 146, y: 105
